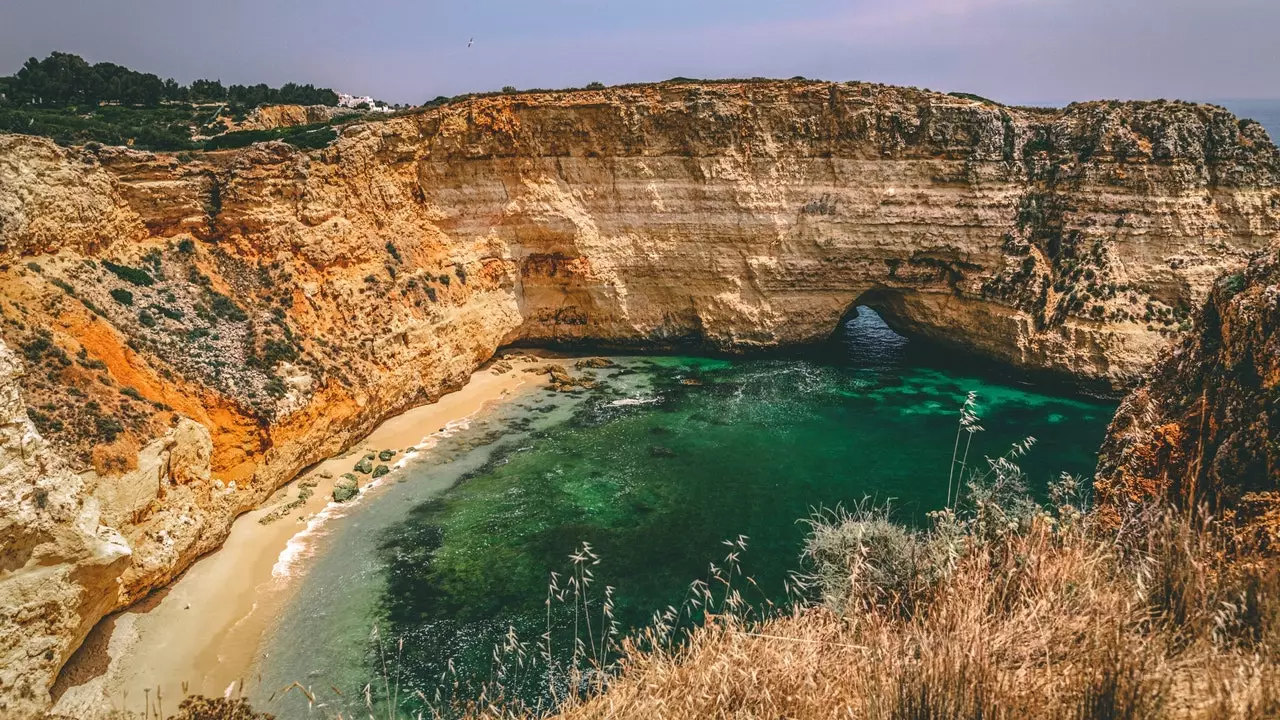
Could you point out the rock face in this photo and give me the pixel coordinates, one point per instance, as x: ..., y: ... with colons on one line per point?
x: 286, y: 301
x: 60, y: 564
x: 270, y: 117
x: 1205, y: 426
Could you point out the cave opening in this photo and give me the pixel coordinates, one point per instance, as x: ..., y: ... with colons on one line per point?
x: 865, y: 336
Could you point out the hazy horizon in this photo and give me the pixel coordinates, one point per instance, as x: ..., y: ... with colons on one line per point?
x: 1023, y: 52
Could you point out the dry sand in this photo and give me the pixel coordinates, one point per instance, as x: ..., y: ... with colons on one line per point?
x: 202, y: 634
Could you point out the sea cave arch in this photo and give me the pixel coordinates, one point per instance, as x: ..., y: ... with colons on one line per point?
x: 881, y: 325
x: 888, y: 307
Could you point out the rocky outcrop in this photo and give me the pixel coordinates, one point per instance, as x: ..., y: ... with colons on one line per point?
x: 270, y: 117
x: 286, y: 301
x: 1204, y: 427
x: 60, y: 563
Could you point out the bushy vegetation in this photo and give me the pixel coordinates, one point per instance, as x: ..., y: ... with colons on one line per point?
x: 132, y: 275
x: 64, y: 79
x: 303, y: 136
x: 65, y: 98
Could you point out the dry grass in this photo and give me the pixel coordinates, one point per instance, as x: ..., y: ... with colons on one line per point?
x: 1051, y: 622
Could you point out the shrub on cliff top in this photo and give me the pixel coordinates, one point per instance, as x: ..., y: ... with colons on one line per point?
x: 122, y: 296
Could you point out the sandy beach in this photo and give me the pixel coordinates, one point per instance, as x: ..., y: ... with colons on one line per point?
x: 202, y: 634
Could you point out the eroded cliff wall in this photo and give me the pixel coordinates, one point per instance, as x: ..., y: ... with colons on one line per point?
x: 1204, y: 427
x: 196, y: 329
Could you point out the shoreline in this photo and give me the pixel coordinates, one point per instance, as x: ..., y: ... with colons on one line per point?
x: 202, y: 633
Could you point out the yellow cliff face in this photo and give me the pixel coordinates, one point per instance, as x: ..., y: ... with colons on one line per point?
x: 195, y: 330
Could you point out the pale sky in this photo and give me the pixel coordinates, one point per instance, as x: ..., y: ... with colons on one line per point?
x: 1016, y: 51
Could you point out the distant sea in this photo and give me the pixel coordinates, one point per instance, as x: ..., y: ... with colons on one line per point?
x: 1266, y: 112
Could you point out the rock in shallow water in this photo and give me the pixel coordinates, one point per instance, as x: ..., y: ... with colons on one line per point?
x: 346, y: 488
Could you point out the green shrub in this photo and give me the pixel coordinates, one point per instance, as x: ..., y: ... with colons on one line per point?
x: 1232, y: 285
x: 107, y: 427
x: 861, y: 559
x: 275, y: 387
x: 226, y: 308
x: 122, y: 296
x: 171, y: 313
x: 130, y: 275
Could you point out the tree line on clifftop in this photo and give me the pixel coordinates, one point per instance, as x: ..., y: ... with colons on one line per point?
x: 65, y: 98
x: 64, y: 79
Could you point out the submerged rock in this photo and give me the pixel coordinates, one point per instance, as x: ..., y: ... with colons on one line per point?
x: 346, y: 488
x: 661, y: 451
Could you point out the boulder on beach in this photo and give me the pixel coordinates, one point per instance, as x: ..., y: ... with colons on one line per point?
x: 386, y: 455
x: 365, y: 465
x: 585, y: 363
x: 561, y: 380
x: 380, y: 471
x: 346, y: 488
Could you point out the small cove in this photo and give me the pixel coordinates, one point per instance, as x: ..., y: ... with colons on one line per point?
x: 656, y: 467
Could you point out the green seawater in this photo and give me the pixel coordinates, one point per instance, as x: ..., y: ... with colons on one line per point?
x: 655, y: 469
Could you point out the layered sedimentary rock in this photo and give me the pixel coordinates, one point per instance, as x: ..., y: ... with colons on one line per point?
x: 1204, y: 427
x: 195, y: 330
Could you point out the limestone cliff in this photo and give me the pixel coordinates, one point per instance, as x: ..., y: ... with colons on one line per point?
x: 196, y: 330
x: 1205, y: 426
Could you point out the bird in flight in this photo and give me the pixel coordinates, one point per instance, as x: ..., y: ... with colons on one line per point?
x: 470, y: 41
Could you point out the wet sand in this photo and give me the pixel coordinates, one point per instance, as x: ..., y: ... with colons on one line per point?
x: 202, y: 634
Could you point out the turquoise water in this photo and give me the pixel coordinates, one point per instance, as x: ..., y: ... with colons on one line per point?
x: 655, y: 469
